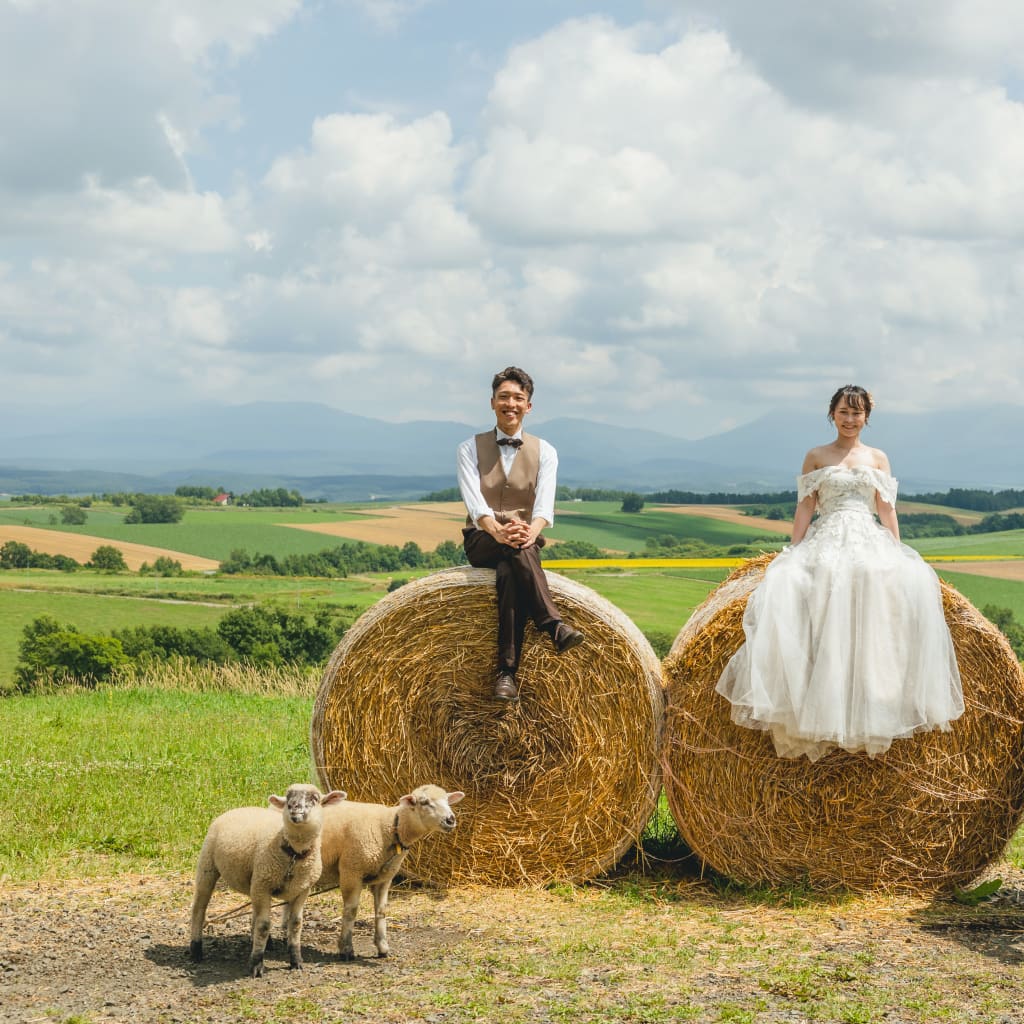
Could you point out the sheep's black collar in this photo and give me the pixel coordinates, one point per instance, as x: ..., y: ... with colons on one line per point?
x: 294, y: 854
x: 396, y: 840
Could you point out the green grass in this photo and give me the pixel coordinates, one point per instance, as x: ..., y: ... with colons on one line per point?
x: 90, y: 614
x: 1008, y: 542
x: 602, y: 524
x: 209, y: 533
x: 101, y: 602
x: 657, y: 600
x: 359, y: 591
x: 983, y: 590
x: 132, y: 777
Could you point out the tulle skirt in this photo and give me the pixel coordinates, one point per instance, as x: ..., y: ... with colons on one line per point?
x: 846, y: 644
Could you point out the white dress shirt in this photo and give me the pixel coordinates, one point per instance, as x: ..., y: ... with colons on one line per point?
x: 469, y: 478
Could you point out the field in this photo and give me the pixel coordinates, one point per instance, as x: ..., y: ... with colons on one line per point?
x: 208, y: 533
x: 97, y: 890
x: 81, y: 547
x: 658, y: 600
x: 129, y: 777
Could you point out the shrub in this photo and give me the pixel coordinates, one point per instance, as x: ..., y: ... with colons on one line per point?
x: 147, y: 644
x: 15, y: 555
x: 107, y: 558
x: 73, y: 515
x: 50, y: 651
x: 1010, y: 627
x: 571, y: 549
x: 660, y: 641
x: 154, y: 508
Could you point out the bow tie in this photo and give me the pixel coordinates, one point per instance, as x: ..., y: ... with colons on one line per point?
x: 511, y: 442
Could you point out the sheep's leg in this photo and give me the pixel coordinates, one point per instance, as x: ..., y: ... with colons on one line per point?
x: 206, y: 878
x: 261, y: 904
x: 286, y: 923
x: 348, y: 919
x: 293, y: 929
x: 380, y: 917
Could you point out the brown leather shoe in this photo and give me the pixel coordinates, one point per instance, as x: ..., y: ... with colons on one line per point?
x: 505, y: 687
x: 565, y: 638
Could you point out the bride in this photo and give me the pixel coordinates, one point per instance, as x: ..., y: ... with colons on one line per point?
x: 846, y: 643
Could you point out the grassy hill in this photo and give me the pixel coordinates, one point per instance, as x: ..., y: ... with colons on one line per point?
x: 602, y: 523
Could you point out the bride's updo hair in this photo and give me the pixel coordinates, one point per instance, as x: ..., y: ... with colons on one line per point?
x: 856, y: 397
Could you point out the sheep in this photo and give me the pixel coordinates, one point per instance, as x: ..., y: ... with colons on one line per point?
x: 365, y: 844
x: 265, y: 854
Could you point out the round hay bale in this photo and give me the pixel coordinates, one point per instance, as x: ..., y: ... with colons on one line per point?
x: 926, y: 816
x: 558, y: 785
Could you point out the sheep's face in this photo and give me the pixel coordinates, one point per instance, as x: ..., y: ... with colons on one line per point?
x: 300, y: 802
x: 432, y: 805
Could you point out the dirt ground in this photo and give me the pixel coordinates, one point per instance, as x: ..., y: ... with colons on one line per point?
x: 1008, y: 570
x: 116, y: 951
x: 81, y: 546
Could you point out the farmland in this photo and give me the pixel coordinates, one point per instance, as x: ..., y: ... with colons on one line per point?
x: 659, y: 600
x: 650, y: 942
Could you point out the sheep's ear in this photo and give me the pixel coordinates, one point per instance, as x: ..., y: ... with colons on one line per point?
x: 409, y: 800
x: 334, y: 797
x: 277, y: 801
x: 454, y: 798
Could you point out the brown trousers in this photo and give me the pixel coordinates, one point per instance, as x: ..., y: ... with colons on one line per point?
x: 521, y: 587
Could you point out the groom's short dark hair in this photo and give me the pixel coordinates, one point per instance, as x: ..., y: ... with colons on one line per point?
x: 513, y: 373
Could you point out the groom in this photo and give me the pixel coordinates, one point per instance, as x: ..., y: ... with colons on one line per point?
x: 507, y: 480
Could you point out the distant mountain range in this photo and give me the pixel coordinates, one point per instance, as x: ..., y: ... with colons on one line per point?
x: 325, y: 452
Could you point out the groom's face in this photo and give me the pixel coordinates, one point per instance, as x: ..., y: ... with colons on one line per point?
x: 510, y: 403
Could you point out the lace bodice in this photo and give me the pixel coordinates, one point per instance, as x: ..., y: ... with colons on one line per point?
x: 847, y: 488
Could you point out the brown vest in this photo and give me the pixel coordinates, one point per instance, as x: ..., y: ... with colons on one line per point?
x: 511, y: 497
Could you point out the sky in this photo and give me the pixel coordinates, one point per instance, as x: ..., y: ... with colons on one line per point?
x: 675, y: 215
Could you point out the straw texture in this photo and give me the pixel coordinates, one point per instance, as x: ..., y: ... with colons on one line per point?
x: 558, y: 786
x: 926, y: 816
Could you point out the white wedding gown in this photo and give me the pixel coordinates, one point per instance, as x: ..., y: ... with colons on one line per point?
x: 846, y: 642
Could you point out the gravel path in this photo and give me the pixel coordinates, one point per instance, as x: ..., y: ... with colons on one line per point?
x: 115, y: 950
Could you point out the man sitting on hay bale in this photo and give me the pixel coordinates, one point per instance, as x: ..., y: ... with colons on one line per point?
x: 507, y: 480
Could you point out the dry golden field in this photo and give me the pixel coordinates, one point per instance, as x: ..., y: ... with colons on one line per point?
x: 81, y: 546
x: 426, y: 524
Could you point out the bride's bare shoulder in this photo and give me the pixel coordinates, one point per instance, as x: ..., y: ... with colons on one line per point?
x: 816, y: 458
x: 880, y: 460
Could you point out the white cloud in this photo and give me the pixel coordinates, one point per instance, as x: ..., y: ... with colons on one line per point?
x: 198, y: 314
x: 196, y: 26
x: 366, y: 164
x: 674, y: 223
x: 388, y: 15
x: 116, y: 90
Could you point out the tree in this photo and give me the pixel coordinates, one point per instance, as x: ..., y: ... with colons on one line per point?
x: 15, y: 555
x: 571, y: 549
x: 154, y: 508
x: 1008, y: 625
x: 411, y: 555
x: 107, y: 558
x: 73, y: 515
x: 449, y: 553
x: 252, y: 633
x: 49, y: 650
x: 632, y: 502
x: 164, y: 566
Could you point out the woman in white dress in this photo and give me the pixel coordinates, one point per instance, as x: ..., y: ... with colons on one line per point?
x: 846, y: 642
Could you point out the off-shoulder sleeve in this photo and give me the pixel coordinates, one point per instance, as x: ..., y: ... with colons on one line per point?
x: 807, y: 484
x: 886, y: 485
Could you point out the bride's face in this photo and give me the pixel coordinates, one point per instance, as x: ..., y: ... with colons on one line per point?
x: 849, y: 421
